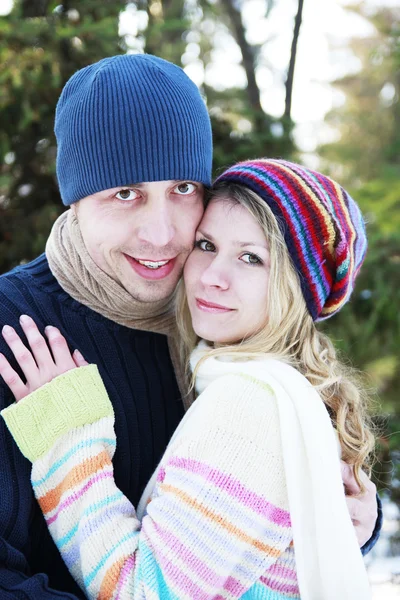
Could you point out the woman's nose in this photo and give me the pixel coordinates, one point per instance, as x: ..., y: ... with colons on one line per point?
x: 216, y: 275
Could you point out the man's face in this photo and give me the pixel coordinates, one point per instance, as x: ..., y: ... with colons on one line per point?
x: 141, y: 235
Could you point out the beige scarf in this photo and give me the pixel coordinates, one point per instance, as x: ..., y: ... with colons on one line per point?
x: 84, y: 281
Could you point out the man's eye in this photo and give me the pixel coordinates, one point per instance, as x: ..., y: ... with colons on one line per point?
x: 185, y: 188
x: 126, y: 194
x: 251, y: 259
x: 205, y: 245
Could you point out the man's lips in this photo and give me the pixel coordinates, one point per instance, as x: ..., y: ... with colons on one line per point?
x: 212, y: 307
x: 151, y: 269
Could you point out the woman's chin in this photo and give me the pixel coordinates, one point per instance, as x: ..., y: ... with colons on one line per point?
x: 212, y: 337
x: 205, y: 333
x: 210, y: 330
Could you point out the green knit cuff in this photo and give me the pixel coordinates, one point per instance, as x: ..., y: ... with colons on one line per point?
x: 76, y: 398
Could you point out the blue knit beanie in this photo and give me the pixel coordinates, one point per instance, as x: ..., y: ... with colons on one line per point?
x: 130, y: 119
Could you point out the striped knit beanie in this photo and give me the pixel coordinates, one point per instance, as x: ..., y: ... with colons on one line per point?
x: 322, y: 226
x: 130, y: 119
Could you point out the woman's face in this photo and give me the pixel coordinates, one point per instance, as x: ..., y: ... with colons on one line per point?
x: 226, y: 276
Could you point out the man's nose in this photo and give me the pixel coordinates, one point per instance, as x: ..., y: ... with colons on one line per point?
x: 216, y: 275
x: 156, y: 227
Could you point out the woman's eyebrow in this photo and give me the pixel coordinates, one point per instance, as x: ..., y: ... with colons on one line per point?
x: 239, y: 243
x: 205, y: 235
x: 243, y: 244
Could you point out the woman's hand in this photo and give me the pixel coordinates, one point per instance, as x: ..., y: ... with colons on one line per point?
x: 363, y: 508
x: 37, y: 363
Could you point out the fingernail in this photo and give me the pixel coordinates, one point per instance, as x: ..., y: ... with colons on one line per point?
x: 7, y: 330
x: 24, y: 319
x: 51, y: 331
x: 78, y: 354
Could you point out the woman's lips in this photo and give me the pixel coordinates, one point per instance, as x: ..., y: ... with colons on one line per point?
x: 151, y: 271
x: 211, y: 307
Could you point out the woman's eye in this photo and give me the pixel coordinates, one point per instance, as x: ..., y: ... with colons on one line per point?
x: 185, y: 188
x: 205, y: 245
x: 251, y: 259
x: 126, y: 194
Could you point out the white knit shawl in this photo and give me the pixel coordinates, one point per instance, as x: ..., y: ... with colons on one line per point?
x: 328, y: 559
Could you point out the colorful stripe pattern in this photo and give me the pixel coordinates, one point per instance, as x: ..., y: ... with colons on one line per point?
x: 321, y: 223
x: 217, y: 525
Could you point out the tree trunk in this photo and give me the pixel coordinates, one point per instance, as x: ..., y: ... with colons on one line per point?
x: 249, y: 60
x: 292, y: 63
x: 34, y: 8
x: 166, y: 31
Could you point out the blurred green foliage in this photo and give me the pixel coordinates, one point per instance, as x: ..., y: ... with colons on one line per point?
x: 43, y: 42
x: 41, y: 45
x: 366, y: 159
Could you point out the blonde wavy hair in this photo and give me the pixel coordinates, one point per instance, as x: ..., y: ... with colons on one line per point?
x: 290, y: 335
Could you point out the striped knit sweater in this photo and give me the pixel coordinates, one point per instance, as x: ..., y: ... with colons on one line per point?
x: 217, y: 524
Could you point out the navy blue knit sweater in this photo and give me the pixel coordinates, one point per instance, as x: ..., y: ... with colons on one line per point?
x: 138, y: 374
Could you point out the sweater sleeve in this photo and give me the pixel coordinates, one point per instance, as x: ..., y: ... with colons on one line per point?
x: 26, y: 559
x: 217, y: 519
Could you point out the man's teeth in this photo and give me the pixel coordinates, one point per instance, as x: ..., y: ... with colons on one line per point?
x: 153, y: 265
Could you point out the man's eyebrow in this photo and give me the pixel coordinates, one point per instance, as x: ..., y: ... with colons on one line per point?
x: 143, y: 183
x: 187, y: 181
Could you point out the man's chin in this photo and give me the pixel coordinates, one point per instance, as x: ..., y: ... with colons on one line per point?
x: 154, y: 291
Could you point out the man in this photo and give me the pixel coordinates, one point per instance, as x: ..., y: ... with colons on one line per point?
x: 134, y: 152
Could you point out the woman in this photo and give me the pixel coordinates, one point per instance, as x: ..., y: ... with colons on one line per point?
x: 247, y: 500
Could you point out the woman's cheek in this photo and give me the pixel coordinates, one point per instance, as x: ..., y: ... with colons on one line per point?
x: 189, y: 269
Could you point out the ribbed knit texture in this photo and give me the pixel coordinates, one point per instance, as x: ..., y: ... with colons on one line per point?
x: 130, y: 119
x: 322, y: 226
x: 79, y: 398
x: 217, y: 525
x: 138, y: 374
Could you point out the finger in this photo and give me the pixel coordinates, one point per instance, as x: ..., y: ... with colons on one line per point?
x: 78, y: 359
x: 21, y: 354
x: 359, y: 530
x: 351, y: 485
x: 59, y: 348
x: 38, y: 344
x: 362, y: 520
x: 355, y: 508
x: 12, y: 379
